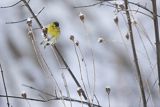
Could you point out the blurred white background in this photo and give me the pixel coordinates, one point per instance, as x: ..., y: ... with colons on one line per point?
x: 114, y: 64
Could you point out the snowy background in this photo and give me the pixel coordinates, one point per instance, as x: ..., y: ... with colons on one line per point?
x: 114, y: 64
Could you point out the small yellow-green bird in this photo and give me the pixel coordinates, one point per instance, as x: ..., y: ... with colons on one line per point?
x: 53, y: 33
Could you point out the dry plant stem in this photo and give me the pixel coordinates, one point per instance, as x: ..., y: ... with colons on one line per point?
x: 90, y: 5
x: 40, y: 25
x: 5, y: 88
x: 11, y: 5
x: 17, y: 97
x: 63, y: 76
x: 150, y: 64
x: 24, y: 20
x: 36, y: 51
x: 81, y: 100
x: 68, y: 68
x: 156, y: 28
x: 152, y: 69
x: 56, y: 98
x: 97, y: 99
x: 141, y: 6
x: 66, y: 87
x: 135, y: 55
x: 137, y: 11
x: 110, y: 4
x: 34, y: 16
x: 65, y: 98
x: 39, y: 53
x: 42, y: 61
x: 146, y: 35
x: 85, y: 65
x: 93, y: 62
x: 109, y: 101
x: 80, y: 68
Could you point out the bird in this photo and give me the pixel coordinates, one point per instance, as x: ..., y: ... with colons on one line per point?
x: 52, y: 31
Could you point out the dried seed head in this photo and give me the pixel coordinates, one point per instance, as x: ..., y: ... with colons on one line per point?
x: 116, y: 19
x: 108, y: 90
x: 71, y: 37
x: 77, y: 43
x: 134, y: 22
x: 82, y: 59
x: 127, y: 36
x: 79, y: 91
x: 121, y: 6
x: 29, y: 21
x: 116, y: 5
x: 23, y: 94
x: 30, y: 33
x: 100, y: 40
x: 81, y: 16
x: 44, y: 32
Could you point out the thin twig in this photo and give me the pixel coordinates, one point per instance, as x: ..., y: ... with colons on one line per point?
x: 150, y: 64
x: 97, y: 99
x: 109, y: 105
x: 135, y: 55
x: 85, y: 65
x: 156, y: 28
x: 13, y: 22
x: 93, y: 62
x: 17, y: 97
x: 137, y: 11
x: 5, y: 88
x: 41, y: 60
x: 40, y: 25
x: 56, y: 98
x: 51, y: 95
x: 80, y: 68
x: 112, y: 5
x: 34, y: 16
x: 24, y: 20
x: 136, y: 4
x: 66, y: 87
x: 146, y: 35
x: 90, y: 5
x: 71, y: 73
x: 62, y: 74
x: 11, y: 5
x: 141, y: 6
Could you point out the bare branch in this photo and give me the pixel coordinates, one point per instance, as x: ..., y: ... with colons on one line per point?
x: 90, y: 5
x: 40, y: 25
x: 135, y: 55
x: 56, y: 98
x: 156, y: 28
x: 11, y: 5
x: 24, y: 20
x: 5, y: 88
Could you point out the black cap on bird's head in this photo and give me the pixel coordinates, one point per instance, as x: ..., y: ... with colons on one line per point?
x: 56, y: 24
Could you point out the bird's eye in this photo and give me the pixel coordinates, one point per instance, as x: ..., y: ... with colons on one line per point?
x: 56, y: 24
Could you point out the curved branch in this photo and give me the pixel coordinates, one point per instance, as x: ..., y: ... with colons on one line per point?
x: 11, y: 5
x: 23, y: 20
x: 56, y: 98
